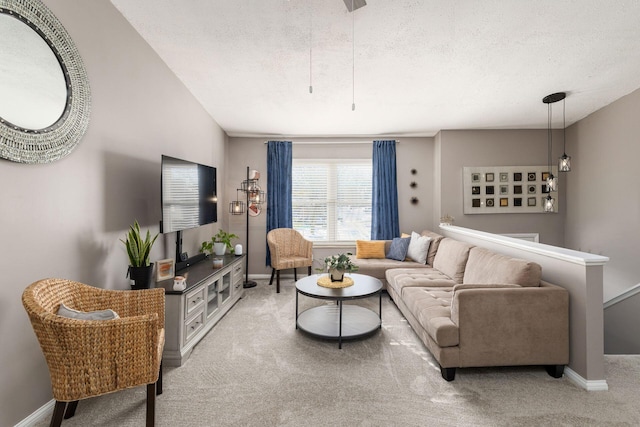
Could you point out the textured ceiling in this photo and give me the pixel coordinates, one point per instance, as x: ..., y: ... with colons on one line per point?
x: 420, y: 65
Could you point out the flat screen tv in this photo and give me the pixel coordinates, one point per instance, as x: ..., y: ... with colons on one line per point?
x: 188, y: 195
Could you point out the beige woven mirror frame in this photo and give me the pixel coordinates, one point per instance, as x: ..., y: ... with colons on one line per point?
x: 45, y: 102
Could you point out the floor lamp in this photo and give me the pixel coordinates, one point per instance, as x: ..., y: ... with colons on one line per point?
x: 254, y: 199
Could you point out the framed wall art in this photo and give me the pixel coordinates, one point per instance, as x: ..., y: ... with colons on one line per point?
x: 506, y: 189
x: 166, y: 269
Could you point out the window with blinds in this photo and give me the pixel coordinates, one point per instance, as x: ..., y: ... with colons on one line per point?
x: 332, y: 199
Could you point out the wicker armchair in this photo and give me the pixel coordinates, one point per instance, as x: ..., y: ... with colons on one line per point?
x: 288, y: 250
x: 88, y: 358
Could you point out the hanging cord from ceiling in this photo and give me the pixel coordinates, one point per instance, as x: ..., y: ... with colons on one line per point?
x: 564, y: 127
x: 549, y: 136
x: 353, y: 58
x: 310, y: 46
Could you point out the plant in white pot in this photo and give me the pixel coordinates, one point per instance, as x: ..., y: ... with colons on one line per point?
x: 218, y: 243
x: 339, y: 264
x: 138, y: 249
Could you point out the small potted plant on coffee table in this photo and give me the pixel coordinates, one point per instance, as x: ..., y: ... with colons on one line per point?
x: 339, y: 264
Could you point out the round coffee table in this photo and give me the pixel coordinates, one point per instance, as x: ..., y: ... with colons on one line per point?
x: 339, y: 321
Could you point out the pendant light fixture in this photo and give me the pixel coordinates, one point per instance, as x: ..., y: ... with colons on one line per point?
x: 552, y: 181
x: 236, y: 207
x: 549, y: 203
x: 564, y: 162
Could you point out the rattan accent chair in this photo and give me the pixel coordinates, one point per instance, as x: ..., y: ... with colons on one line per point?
x: 88, y: 358
x: 288, y: 250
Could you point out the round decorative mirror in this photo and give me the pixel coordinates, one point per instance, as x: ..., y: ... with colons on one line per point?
x: 44, y: 90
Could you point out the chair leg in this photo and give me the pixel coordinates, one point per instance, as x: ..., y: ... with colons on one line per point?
x: 273, y: 271
x: 309, y: 270
x: 295, y: 274
x: 159, y: 383
x: 58, y: 413
x: 278, y: 281
x: 151, y: 405
x: 71, y: 409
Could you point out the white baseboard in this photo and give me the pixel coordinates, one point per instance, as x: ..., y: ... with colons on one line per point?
x: 282, y: 276
x: 264, y: 276
x: 589, y: 385
x: 45, y: 411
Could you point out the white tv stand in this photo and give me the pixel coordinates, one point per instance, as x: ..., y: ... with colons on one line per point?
x: 191, y: 313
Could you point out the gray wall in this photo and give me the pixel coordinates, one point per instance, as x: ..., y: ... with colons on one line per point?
x: 412, y: 153
x: 439, y: 162
x: 603, y: 215
x: 497, y: 148
x: 251, y: 152
x: 619, y: 337
x: 64, y: 219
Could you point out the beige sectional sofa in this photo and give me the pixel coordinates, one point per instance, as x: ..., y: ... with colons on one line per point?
x: 473, y: 307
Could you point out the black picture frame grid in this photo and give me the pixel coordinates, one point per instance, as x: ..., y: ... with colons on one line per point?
x: 505, y: 189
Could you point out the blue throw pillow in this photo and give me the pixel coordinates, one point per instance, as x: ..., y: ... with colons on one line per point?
x: 399, y: 248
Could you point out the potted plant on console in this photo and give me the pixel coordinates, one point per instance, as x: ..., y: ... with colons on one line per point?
x: 138, y: 249
x: 218, y: 243
x: 339, y: 264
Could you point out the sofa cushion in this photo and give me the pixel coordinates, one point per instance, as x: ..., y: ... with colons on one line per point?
x: 451, y: 258
x: 418, y: 248
x: 401, y: 278
x: 398, y: 249
x: 366, y: 249
x: 432, y: 308
x: 463, y: 287
x: 378, y: 267
x: 433, y: 246
x: 487, y: 267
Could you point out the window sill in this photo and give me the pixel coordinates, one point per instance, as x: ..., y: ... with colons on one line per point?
x: 332, y: 245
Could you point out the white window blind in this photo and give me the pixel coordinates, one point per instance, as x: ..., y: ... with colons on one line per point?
x: 332, y: 199
x: 180, y: 195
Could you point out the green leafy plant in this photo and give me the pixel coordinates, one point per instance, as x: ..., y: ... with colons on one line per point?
x: 340, y: 262
x: 138, y: 249
x: 221, y: 237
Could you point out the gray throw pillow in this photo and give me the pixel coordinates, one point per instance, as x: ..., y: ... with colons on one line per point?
x: 399, y: 248
x: 65, y: 311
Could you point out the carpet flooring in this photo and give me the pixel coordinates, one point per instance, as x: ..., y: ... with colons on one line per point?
x: 255, y: 369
